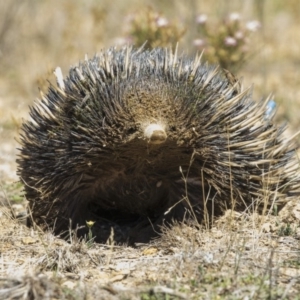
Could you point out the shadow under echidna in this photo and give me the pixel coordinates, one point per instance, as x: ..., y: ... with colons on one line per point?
x: 135, y: 139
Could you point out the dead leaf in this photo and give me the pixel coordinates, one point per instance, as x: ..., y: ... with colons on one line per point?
x: 150, y: 251
x: 28, y: 240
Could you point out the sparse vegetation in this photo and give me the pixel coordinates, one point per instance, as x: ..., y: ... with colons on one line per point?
x: 243, y: 256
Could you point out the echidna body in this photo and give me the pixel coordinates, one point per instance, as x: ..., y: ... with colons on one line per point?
x: 133, y: 137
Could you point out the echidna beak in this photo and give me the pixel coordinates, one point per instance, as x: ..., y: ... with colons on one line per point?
x: 155, y: 134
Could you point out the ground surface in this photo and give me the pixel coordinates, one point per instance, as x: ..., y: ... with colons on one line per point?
x: 241, y: 257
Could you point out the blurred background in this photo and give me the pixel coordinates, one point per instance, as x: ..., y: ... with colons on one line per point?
x: 257, y: 40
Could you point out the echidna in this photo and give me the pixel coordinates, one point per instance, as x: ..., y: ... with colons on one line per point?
x: 132, y: 139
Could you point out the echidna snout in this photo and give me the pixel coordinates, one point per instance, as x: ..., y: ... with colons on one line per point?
x: 155, y: 134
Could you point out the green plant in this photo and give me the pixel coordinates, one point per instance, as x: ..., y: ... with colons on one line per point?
x: 286, y: 230
x: 90, y: 238
x: 226, y: 42
x: 154, y: 29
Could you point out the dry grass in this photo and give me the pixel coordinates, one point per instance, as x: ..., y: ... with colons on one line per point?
x: 241, y: 257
